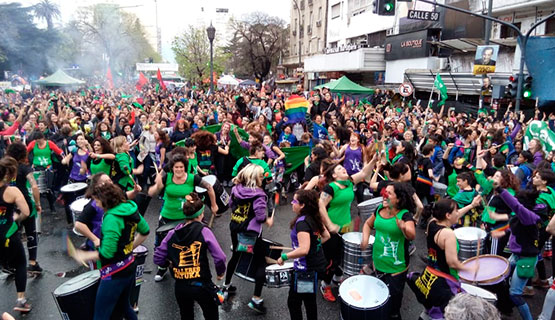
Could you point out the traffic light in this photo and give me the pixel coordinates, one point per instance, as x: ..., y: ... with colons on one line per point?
x: 385, y: 7
x: 512, y: 86
x: 527, y: 88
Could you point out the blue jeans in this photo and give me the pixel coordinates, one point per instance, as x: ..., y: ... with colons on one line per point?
x: 515, y: 291
x: 548, y: 305
x: 114, y: 294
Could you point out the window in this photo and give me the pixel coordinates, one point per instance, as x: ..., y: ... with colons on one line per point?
x: 336, y: 11
x: 311, y: 18
x: 320, y: 13
x: 333, y: 44
x: 550, y: 26
x: 376, y: 39
x: 507, y: 32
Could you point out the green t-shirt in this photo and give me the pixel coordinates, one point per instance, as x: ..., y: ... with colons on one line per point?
x: 390, y: 251
x: 101, y: 166
x: 260, y: 162
x: 174, y: 196
x: 42, y: 157
x: 339, y: 208
x: 192, y: 166
x: 547, y: 198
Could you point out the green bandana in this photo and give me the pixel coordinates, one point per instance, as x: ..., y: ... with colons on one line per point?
x: 343, y: 182
x: 196, y: 214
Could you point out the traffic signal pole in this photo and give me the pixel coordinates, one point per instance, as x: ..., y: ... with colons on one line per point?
x: 523, y: 39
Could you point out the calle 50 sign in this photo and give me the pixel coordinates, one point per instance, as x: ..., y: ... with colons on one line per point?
x: 423, y: 15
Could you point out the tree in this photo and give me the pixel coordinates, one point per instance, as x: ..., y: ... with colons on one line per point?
x: 192, y: 53
x: 48, y: 11
x: 113, y: 37
x: 256, y: 45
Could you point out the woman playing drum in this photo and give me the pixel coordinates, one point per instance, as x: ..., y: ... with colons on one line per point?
x: 177, y: 184
x: 307, y: 234
x: 395, y: 227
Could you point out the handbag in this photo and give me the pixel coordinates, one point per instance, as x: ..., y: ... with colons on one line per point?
x: 525, y: 267
x: 305, y: 281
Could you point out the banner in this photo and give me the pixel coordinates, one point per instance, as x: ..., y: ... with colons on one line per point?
x: 485, y: 59
x: 294, y: 157
x: 539, y: 129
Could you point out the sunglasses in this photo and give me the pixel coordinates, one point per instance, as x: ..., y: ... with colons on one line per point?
x: 294, y: 201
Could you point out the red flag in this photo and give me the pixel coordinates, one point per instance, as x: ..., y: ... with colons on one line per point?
x: 109, y: 79
x: 142, y: 81
x: 159, y: 76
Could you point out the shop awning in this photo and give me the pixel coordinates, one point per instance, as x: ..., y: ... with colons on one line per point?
x: 470, y: 44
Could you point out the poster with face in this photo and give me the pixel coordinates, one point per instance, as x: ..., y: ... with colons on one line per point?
x: 484, y: 61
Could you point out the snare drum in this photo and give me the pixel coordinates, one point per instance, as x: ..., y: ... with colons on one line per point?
x: 140, y: 254
x: 245, y: 267
x: 75, y: 298
x: 492, y: 270
x: 440, y: 189
x: 76, y: 208
x: 279, y: 276
x: 353, y: 257
x: 363, y: 297
x: 222, y: 197
x: 468, y: 238
x: 74, y: 190
x: 40, y: 177
x: 479, y: 292
x: 368, y: 207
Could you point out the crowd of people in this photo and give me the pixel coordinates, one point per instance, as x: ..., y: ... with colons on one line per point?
x: 131, y: 145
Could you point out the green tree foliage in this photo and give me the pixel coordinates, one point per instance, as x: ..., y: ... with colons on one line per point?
x: 192, y: 53
x: 47, y: 11
x: 23, y: 46
x: 257, y: 43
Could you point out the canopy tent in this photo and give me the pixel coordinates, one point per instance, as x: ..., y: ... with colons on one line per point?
x: 228, y: 80
x: 248, y: 83
x: 344, y: 85
x: 59, y: 79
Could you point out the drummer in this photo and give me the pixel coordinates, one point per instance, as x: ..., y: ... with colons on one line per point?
x: 11, y: 248
x: 102, y: 157
x: 465, y: 182
x: 177, y: 184
x: 335, y: 209
x: 185, y: 250
x: 443, y: 252
x: 115, y: 253
x: 395, y: 227
x: 307, y: 235
x: 248, y: 204
x: 523, y: 243
x: 78, y: 172
x: 26, y: 183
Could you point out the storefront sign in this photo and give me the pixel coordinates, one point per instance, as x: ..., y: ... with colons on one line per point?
x: 407, y: 45
x: 423, y: 15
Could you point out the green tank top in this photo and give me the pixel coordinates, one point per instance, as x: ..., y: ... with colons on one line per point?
x: 33, y: 208
x: 174, y: 196
x: 42, y: 157
x: 389, y: 248
x: 193, y: 164
x: 452, y: 187
x: 339, y: 208
x: 101, y: 166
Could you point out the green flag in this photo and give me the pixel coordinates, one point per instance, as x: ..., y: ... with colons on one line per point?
x: 442, y: 89
x: 9, y: 91
x: 294, y: 157
x: 138, y: 105
x: 157, y: 88
x: 124, y: 96
x: 234, y: 147
x: 540, y: 130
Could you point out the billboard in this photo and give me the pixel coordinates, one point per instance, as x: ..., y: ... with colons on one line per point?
x: 485, y: 59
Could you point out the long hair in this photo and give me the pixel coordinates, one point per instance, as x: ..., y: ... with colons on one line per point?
x: 181, y: 121
x: 104, y: 144
x: 8, y: 168
x: 117, y: 144
x: 250, y: 176
x: 440, y: 209
x: 163, y: 137
x: 309, y: 198
x: 97, y: 132
x: 509, y: 180
x: 204, y: 139
x: 404, y: 192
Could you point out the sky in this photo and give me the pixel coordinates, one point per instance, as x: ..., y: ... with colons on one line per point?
x: 174, y: 15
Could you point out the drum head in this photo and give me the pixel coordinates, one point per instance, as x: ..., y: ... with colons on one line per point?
x: 78, y: 283
x: 78, y: 205
x: 439, y: 185
x: 371, y: 202
x: 364, y: 292
x: 140, y: 249
x: 286, y: 266
x: 469, y: 233
x: 199, y: 190
x: 169, y: 226
x: 492, y: 269
x: 478, y: 292
x: 271, y: 243
x: 356, y: 238
x: 72, y: 187
x: 211, y: 179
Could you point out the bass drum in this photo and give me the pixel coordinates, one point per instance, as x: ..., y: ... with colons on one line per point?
x: 222, y: 197
x: 75, y: 298
x: 363, y: 298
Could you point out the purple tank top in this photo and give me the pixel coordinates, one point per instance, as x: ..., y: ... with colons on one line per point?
x: 74, y: 174
x: 353, y: 160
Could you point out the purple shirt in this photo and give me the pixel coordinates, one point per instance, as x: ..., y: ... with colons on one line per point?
x: 353, y: 160
x: 74, y: 174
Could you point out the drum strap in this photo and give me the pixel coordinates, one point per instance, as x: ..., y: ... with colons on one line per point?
x: 107, y: 271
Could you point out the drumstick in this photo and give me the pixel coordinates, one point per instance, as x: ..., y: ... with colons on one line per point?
x: 281, y: 248
x: 477, y: 255
x: 270, y: 260
x: 72, y: 252
x: 211, y: 220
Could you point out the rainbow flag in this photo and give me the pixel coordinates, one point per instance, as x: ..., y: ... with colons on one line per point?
x: 295, y: 108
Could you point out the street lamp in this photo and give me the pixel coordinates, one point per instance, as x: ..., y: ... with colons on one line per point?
x: 299, y: 35
x: 211, y: 31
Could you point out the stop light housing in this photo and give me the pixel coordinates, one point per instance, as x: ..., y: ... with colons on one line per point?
x: 385, y: 7
x: 512, y: 86
x: 527, y: 88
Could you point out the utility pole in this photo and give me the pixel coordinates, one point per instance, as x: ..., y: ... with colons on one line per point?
x: 299, y: 34
x: 158, y: 32
x: 523, y: 40
x: 488, y: 23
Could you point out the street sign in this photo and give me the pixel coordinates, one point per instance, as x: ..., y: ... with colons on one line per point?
x: 423, y: 15
x: 405, y: 89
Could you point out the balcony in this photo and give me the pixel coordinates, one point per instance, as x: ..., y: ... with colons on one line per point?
x: 347, y: 58
x: 319, y: 23
x: 309, y: 30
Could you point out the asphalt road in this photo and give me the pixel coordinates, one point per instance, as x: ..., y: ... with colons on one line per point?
x: 157, y: 299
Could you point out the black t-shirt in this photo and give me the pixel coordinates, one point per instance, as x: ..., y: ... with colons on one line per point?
x: 21, y: 182
x: 88, y: 215
x: 312, y: 171
x: 315, y: 259
x: 424, y: 164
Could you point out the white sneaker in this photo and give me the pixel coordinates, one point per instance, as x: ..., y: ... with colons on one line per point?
x: 160, y: 274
